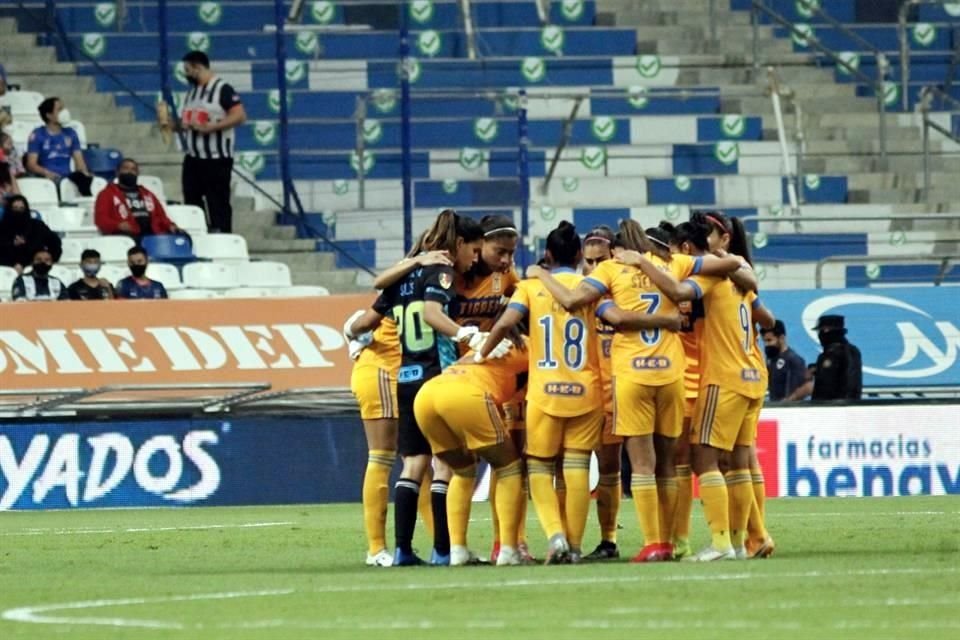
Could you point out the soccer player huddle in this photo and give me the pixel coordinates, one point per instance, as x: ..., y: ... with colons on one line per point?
x: 636, y: 340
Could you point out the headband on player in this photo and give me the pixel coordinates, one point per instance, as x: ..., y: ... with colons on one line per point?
x: 510, y: 230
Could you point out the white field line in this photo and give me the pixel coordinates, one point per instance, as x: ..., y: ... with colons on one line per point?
x: 79, y: 531
x: 40, y: 614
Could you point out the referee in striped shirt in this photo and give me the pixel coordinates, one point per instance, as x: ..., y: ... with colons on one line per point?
x: 211, y: 112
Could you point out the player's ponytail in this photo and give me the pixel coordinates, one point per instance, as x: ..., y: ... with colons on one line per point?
x: 449, y: 226
x: 632, y: 236
x: 692, y: 234
x: 738, y: 240
x: 659, y: 239
x: 564, y: 245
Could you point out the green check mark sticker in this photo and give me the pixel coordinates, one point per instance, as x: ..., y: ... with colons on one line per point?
x: 760, y: 240
x: 198, y: 41
x: 891, y: 93
x: 802, y: 33
x: 368, y: 162
x: 924, y: 34
x: 898, y: 238
x: 551, y: 38
x: 872, y: 271
x: 296, y: 71
x: 733, y: 125
x: 210, y: 13
x: 806, y: 8
x: 265, y: 132
x: 485, y: 129
x: 429, y: 43
x: 421, y: 11
x: 105, y: 13
x: 775, y: 210
x: 372, y: 131
x: 811, y: 181
x: 952, y: 9
x: 471, y: 159
x: 570, y: 184
x: 648, y: 66
x: 450, y: 186
x: 726, y: 152
x: 341, y: 187
x: 852, y: 61
x: 384, y: 100
x: 637, y: 97
x: 323, y: 11
x: 273, y: 100
x: 548, y: 213
x: 252, y: 161
x: 593, y: 158
x: 672, y: 211
x: 411, y: 69
x: 307, y: 42
x: 682, y: 183
x: 93, y: 44
x: 571, y: 10
x: 533, y: 69
x: 603, y: 128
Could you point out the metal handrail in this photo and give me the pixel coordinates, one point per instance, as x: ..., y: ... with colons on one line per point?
x: 564, y: 139
x: 466, y: 13
x: 926, y: 96
x: 760, y: 217
x: 877, y: 83
x: 942, y: 259
x: 905, y: 56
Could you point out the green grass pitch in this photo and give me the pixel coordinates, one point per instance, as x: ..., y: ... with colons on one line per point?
x: 845, y: 568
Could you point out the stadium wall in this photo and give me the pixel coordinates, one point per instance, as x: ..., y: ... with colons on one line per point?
x: 867, y: 450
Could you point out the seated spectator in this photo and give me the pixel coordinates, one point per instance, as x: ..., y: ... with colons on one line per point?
x: 52, y: 146
x: 138, y: 286
x: 8, y: 181
x: 90, y: 287
x: 21, y: 236
x: 38, y: 284
x: 126, y: 208
x: 13, y: 156
x: 6, y: 116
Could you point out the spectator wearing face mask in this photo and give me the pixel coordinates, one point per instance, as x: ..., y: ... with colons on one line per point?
x: 787, y: 369
x: 51, y: 148
x: 38, y: 284
x: 90, y: 287
x: 839, y: 372
x: 127, y: 208
x: 21, y: 236
x: 137, y: 286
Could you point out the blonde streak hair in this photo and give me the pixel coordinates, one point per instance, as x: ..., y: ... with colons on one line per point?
x: 442, y: 236
x: 633, y: 236
x: 417, y: 247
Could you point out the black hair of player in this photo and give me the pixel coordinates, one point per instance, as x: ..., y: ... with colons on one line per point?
x: 693, y: 234
x: 447, y: 229
x: 659, y: 240
x: 739, y: 245
x: 564, y: 246
x: 600, y: 234
x: 197, y: 58
x: 497, y: 227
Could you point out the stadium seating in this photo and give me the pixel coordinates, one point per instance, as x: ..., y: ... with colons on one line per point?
x: 210, y: 275
x: 67, y: 273
x: 192, y: 294
x: 191, y: 219
x: 72, y: 221
x: 23, y: 105
x: 264, y: 274
x: 113, y: 249
x: 166, y: 274
x: 113, y: 273
x: 223, y: 247
x: 7, y: 276
x: 175, y: 249
x: 39, y: 192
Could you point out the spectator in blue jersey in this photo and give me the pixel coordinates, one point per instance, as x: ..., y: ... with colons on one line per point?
x: 38, y: 284
x: 137, y: 286
x: 51, y: 148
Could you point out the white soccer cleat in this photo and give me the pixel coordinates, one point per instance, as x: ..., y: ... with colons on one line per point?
x: 558, y: 550
x: 461, y: 556
x: 741, y: 553
x: 381, y: 558
x: 709, y: 554
x: 509, y: 557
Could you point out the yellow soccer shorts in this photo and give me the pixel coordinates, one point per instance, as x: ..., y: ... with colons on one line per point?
x: 609, y: 438
x: 453, y: 415
x: 548, y: 436
x: 376, y: 392
x: 689, y: 407
x: 515, y: 415
x: 724, y: 419
x: 642, y: 410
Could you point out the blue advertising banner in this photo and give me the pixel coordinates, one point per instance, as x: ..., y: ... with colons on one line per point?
x: 144, y: 463
x: 907, y: 336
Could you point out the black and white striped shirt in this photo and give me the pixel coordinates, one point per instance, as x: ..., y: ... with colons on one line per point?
x: 209, y: 103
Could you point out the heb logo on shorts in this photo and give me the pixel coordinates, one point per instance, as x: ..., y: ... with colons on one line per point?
x: 870, y: 451
x: 750, y: 375
x: 107, y: 469
x: 654, y: 362
x: 563, y: 389
x: 408, y: 374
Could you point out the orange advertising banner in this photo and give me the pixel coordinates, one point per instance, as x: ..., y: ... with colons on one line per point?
x: 289, y: 342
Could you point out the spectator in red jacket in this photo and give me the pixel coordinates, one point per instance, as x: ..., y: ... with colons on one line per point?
x: 126, y: 208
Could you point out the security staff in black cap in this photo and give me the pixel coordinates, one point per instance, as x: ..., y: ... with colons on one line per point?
x: 787, y: 369
x: 839, y: 374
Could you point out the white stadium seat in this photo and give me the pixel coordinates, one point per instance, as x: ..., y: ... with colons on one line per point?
x: 81, y: 130
x: 67, y: 273
x: 22, y: 103
x: 72, y: 248
x: 222, y: 247
x: 7, y: 276
x: 264, y: 274
x: 167, y: 274
x: 155, y: 186
x: 188, y: 217
x: 39, y: 192
x: 111, y: 248
x: 250, y: 292
x: 20, y: 131
x: 302, y: 291
x: 70, y: 193
x: 210, y: 275
x: 193, y: 294
x: 68, y: 220
x: 113, y: 273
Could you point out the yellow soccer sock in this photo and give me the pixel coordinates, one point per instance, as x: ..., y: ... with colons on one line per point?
x: 560, y: 486
x: 681, y: 518
x: 740, y: 491
x: 667, y: 499
x: 756, y: 524
x: 492, y: 498
x: 645, y: 501
x: 713, y: 495
x: 759, y: 490
x: 425, y: 503
x: 376, y: 495
x: 576, y: 475
x: 459, y: 498
x: 608, y: 506
x: 523, y: 506
x: 545, y: 496
x: 510, y: 498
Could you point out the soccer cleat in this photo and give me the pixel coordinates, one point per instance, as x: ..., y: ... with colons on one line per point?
x: 667, y: 548
x: 653, y: 553
x: 525, y: 556
x: 576, y: 556
x: 709, y: 554
x: 606, y: 550
x: 381, y: 558
x: 509, y: 557
x: 681, y: 549
x: 495, y: 553
x: 764, y: 550
x: 741, y: 553
x: 461, y: 556
x: 558, y: 550
x: 401, y: 559
x: 437, y: 560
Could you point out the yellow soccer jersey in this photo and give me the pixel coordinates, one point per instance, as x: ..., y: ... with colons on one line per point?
x: 651, y: 357
x: 730, y: 354
x: 564, y: 364
x: 605, y: 335
x: 384, y: 351
x: 502, y: 379
x: 479, y: 300
x: 691, y: 335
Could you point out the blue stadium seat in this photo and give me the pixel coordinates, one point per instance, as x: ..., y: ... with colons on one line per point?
x: 174, y: 249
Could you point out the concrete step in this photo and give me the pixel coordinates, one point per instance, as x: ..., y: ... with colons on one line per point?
x: 294, y: 246
x: 18, y: 68
x: 335, y: 280
x: 626, y: 17
x: 942, y: 181
x: 766, y: 48
x: 747, y: 74
x: 896, y: 163
x: 842, y: 133
x: 305, y: 261
x: 812, y: 106
x: 901, y: 196
x: 8, y: 27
